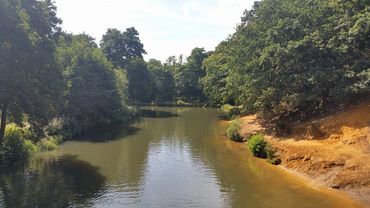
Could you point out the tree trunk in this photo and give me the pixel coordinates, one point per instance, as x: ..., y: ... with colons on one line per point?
x: 3, y: 122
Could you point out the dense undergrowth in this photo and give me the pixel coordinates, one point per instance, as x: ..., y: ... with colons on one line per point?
x: 19, y: 144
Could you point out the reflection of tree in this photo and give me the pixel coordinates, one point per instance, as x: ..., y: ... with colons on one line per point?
x: 107, y: 133
x: 156, y: 114
x: 64, y: 182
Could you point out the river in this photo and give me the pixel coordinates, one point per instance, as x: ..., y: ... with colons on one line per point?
x: 172, y: 157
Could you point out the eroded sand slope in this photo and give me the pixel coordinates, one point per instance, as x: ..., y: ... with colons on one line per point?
x: 333, y: 151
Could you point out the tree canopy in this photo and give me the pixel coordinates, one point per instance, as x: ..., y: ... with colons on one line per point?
x: 95, y: 92
x: 289, y: 59
x: 30, y: 80
x: 188, y: 77
x: 120, y: 47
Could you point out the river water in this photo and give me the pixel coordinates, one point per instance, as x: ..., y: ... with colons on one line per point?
x: 172, y: 157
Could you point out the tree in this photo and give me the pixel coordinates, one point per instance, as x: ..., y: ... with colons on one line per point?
x: 120, y: 47
x: 217, y: 72
x: 164, y: 81
x: 134, y: 47
x: 187, y: 79
x: 125, y: 51
x: 93, y: 94
x: 141, y: 84
x: 29, y: 80
x: 113, y: 47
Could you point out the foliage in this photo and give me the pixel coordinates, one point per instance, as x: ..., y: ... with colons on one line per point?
x: 54, y: 127
x: 48, y: 143
x: 30, y: 81
x: 120, y: 47
x: 215, y: 83
x: 274, y: 160
x: 231, y: 111
x: 188, y: 77
x: 233, y: 131
x: 92, y: 97
x: 125, y: 51
x: 291, y: 59
x: 164, y: 81
x: 60, y: 84
x: 30, y: 147
x: 182, y: 103
x: 16, y: 146
x: 153, y: 81
x: 141, y: 84
x: 258, y: 146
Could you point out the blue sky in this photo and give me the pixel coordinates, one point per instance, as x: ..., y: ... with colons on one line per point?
x: 166, y: 27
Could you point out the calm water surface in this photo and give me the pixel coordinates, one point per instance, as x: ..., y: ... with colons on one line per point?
x: 173, y: 157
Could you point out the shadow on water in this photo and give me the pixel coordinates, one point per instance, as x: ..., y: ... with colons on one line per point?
x: 62, y: 182
x: 156, y: 114
x: 224, y: 118
x: 107, y: 133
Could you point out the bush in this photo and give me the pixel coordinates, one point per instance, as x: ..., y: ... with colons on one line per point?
x: 270, y: 154
x: 182, y: 103
x: 16, y: 147
x: 258, y: 146
x: 274, y: 160
x: 55, y: 127
x: 233, y: 130
x: 231, y: 111
x: 30, y: 147
x: 49, y: 143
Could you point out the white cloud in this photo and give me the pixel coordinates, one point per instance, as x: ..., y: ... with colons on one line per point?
x: 166, y: 27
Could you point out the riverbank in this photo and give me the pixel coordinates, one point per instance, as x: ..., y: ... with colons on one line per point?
x: 333, y: 151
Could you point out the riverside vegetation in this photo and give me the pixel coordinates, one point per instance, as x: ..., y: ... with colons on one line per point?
x: 287, y: 61
x: 55, y: 85
x: 258, y: 146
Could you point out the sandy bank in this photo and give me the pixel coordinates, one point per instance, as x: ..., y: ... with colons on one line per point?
x: 333, y: 151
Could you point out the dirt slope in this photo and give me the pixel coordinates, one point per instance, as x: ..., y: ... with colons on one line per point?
x: 333, y: 151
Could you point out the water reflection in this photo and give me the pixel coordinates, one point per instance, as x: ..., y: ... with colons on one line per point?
x: 107, y: 133
x: 165, y: 161
x: 145, y: 113
x: 62, y: 182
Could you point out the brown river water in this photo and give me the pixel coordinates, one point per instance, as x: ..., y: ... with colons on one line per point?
x: 172, y: 157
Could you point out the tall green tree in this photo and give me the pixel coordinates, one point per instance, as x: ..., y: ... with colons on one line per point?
x: 217, y: 74
x: 134, y: 47
x: 120, y: 47
x: 29, y: 80
x: 93, y: 90
x: 188, y: 79
x: 114, y: 48
x: 141, y: 86
x: 125, y: 51
x: 164, y: 81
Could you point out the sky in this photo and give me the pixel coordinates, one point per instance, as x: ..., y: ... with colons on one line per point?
x: 166, y: 27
